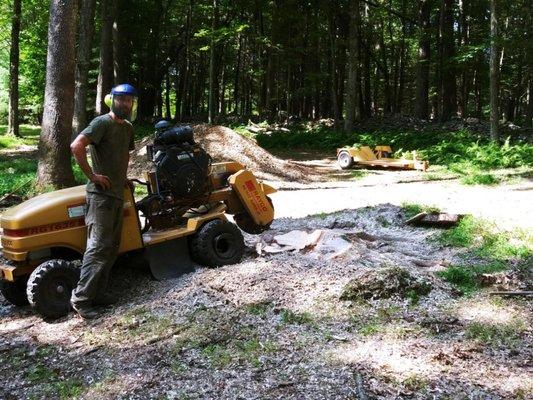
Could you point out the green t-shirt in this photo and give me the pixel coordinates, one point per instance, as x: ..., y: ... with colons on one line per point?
x: 110, y: 145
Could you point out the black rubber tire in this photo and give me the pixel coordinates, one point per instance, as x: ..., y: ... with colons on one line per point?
x: 15, y: 292
x: 217, y: 243
x: 50, y: 286
x: 248, y: 225
x: 345, y: 160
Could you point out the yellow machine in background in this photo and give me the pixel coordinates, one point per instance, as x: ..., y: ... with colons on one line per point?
x: 44, y: 238
x: 347, y: 157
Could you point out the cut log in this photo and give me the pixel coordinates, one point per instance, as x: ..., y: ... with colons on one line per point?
x: 437, y: 220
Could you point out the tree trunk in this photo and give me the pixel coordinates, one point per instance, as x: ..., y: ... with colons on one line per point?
x: 105, y: 75
x: 86, y: 32
x: 13, y: 119
x: 334, y: 88
x: 529, y: 68
x: 54, y: 166
x: 120, y: 45
x: 465, y: 73
x: 529, y: 111
x: 385, y: 69
x: 422, y: 81
x: 167, y: 96
x: 449, y: 86
x: 494, y: 72
x: 214, y: 25
x: 352, y: 90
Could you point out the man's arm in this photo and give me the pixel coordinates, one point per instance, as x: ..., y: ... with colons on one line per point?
x: 77, y: 148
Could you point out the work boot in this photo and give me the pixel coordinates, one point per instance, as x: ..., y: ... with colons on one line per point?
x: 86, y: 312
x: 104, y: 300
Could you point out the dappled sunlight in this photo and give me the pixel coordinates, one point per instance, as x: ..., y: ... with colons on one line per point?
x: 391, y: 355
x: 431, y: 364
x: 485, y: 311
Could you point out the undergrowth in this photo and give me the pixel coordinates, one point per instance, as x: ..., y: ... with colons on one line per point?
x: 461, y: 152
x: 494, y: 250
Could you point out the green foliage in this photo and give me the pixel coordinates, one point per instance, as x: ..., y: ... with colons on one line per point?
x: 487, y: 241
x: 480, y: 179
x: 17, y: 177
x: 30, y: 136
x: 495, y: 248
x: 461, y: 152
x: 466, y: 278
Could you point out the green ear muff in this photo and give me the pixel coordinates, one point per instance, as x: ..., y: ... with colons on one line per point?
x: 108, y: 100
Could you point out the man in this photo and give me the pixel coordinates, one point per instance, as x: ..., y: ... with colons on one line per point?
x: 110, y: 138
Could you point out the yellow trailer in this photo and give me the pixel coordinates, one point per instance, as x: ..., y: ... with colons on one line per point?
x: 347, y: 157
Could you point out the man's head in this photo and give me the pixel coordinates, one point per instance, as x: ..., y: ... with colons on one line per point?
x: 123, y: 101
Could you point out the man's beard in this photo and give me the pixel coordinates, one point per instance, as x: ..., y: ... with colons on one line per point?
x: 122, y: 112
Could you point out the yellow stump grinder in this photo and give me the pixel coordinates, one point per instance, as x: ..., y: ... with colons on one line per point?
x: 181, y: 222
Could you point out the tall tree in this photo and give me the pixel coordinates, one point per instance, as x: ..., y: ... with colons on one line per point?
x: 449, y: 85
x: 85, y: 38
x: 212, y: 66
x: 353, y: 86
x: 494, y: 71
x: 529, y: 63
x: 54, y: 166
x: 120, y: 46
x: 424, y: 45
x: 105, y: 75
x: 13, y: 119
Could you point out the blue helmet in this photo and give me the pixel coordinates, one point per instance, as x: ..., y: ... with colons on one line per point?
x: 124, y: 89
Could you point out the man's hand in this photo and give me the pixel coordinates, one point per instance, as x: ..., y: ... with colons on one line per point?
x: 101, y: 180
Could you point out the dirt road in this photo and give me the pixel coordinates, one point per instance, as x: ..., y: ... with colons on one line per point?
x: 508, y: 205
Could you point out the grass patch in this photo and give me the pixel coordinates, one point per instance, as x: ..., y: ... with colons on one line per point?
x: 507, y: 335
x: 259, y: 309
x: 496, y: 249
x: 18, y: 177
x: 138, y: 324
x: 486, y: 241
x: 52, y: 384
x: 466, y: 278
x: 30, y: 137
x: 415, y: 382
x: 412, y: 209
x: 480, y: 179
x: 218, y: 355
x: 289, y: 317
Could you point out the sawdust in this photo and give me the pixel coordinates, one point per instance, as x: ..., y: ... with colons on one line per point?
x: 275, y: 326
x: 224, y: 144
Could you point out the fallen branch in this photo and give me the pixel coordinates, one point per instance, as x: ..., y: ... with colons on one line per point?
x: 513, y: 293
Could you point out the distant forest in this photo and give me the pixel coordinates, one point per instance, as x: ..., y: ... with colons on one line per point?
x: 216, y: 60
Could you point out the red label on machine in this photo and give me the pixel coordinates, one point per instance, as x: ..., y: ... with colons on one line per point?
x: 250, y: 186
x: 255, y: 197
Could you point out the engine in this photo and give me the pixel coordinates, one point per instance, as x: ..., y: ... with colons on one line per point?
x: 181, y: 165
x: 181, y: 171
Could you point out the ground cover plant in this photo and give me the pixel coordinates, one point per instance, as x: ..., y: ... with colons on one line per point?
x: 470, y: 156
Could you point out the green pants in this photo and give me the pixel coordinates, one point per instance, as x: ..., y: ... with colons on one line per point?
x: 104, y: 226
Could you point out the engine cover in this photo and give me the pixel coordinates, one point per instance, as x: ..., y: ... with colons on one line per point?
x: 182, y: 170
